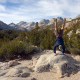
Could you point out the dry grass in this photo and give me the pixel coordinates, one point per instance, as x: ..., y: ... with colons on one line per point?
x: 73, y: 72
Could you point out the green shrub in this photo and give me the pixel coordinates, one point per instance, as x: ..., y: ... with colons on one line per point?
x: 72, y: 43
x: 14, y: 47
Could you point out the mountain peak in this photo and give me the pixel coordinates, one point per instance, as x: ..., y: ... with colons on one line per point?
x: 68, y: 19
x: 43, y: 22
x: 12, y: 24
x: 77, y: 16
x: 21, y: 23
x: 59, y: 19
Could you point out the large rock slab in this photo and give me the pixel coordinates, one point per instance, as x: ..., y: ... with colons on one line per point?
x: 3, y: 65
x: 7, y: 65
x: 16, y: 78
x: 70, y: 33
x: 3, y: 72
x: 60, y: 64
x: 77, y: 31
x: 19, y: 72
x: 12, y: 63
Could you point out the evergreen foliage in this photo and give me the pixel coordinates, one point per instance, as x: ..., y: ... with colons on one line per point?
x: 43, y: 38
x: 47, y: 39
x: 72, y: 43
x: 14, y: 48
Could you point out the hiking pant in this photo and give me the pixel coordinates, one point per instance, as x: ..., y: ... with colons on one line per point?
x: 56, y: 45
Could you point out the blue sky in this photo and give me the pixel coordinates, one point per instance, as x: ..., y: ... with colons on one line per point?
x: 36, y: 10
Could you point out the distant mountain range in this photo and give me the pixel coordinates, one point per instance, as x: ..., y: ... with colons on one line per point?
x: 28, y: 25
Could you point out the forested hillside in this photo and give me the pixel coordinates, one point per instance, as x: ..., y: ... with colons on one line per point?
x: 16, y: 42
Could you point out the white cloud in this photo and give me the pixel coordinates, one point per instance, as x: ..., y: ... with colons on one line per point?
x: 2, y: 8
x: 75, y: 8
x: 60, y: 7
x: 52, y: 8
x: 13, y: 17
x: 30, y: 10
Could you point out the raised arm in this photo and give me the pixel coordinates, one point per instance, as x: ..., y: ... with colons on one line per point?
x: 55, y: 24
x: 63, y: 25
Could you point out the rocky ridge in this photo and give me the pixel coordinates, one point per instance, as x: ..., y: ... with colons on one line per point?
x: 28, y: 25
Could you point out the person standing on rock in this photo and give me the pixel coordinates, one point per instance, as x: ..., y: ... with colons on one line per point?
x: 59, y: 39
